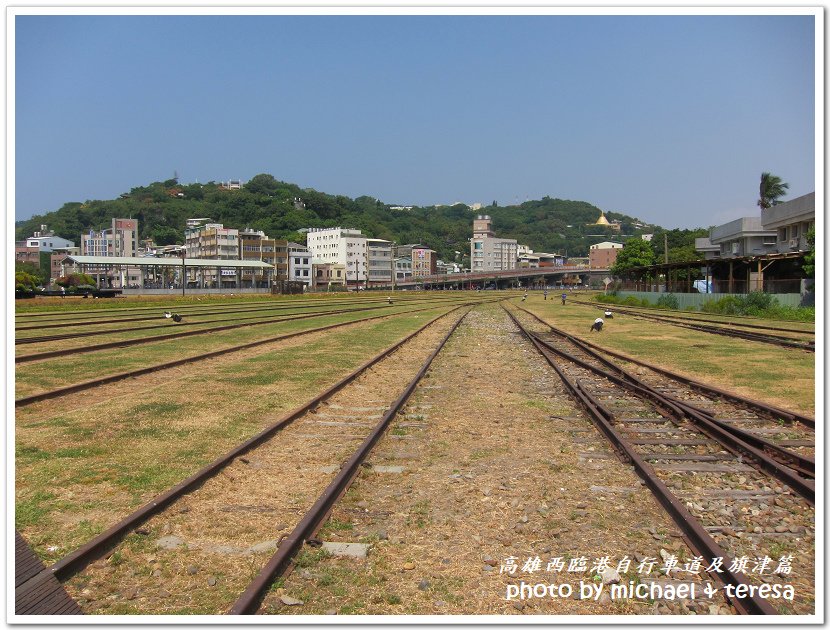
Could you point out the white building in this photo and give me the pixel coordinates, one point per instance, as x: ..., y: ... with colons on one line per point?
x: 345, y: 246
x: 403, y: 269
x: 121, y: 240
x: 791, y: 221
x: 488, y: 253
x: 46, y: 241
x: 299, y: 264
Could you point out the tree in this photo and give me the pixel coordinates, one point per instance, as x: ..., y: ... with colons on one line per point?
x: 262, y: 184
x: 635, y: 253
x: 809, y: 265
x: 41, y: 274
x: 772, y: 187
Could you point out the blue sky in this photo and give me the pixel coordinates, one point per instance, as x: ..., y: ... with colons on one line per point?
x: 670, y: 119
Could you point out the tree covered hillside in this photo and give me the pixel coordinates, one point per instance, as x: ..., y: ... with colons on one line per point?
x: 264, y: 203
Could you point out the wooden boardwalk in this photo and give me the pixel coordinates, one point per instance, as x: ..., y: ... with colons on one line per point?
x: 36, y: 591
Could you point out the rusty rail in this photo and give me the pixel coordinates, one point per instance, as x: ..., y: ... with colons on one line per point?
x: 697, y: 537
x: 777, y: 412
x: 248, y: 602
x: 112, y: 378
x: 81, y: 557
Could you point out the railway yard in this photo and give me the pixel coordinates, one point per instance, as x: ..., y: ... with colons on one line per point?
x: 411, y: 453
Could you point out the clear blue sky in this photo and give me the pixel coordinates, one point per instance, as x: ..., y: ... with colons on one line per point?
x: 670, y: 119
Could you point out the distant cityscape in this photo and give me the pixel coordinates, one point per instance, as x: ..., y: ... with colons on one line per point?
x: 345, y: 258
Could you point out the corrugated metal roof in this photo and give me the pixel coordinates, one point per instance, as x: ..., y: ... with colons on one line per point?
x: 135, y: 261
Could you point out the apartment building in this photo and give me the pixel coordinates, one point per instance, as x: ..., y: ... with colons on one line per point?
x: 379, y: 259
x: 121, y: 240
x: 255, y: 245
x: 403, y: 269
x: 424, y: 262
x: 603, y: 255
x: 344, y: 246
x: 791, y: 221
x: 213, y: 241
x: 45, y: 241
x: 300, y: 268
x: 488, y: 253
x: 743, y: 237
x: 328, y: 275
x: 25, y: 254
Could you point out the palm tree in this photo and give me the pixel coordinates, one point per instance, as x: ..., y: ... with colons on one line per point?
x: 771, y: 189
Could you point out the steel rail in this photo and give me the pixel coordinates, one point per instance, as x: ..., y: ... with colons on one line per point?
x: 723, y: 434
x: 166, y: 324
x: 248, y: 602
x: 124, y: 343
x: 698, y: 538
x: 666, y: 317
x: 796, y: 462
x: 777, y: 412
x: 112, y: 378
x: 92, y: 550
x: 715, y: 330
x: 799, y: 463
x: 224, y: 311
x: 755, y: 450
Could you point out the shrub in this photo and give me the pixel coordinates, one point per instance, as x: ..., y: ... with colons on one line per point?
x: 76, y: 279
x: 668, y: 300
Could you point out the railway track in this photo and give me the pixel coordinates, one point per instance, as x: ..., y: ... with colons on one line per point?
x: 181, y: 334
x: 728, y: 330
x: 769, y: 428
x: 224, y: 512
x: 691, y: 465
x: 119, y: 376
x: 106, y: 317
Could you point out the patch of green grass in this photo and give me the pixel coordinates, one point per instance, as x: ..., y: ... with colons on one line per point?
x: 310, y: 557
x: 30, y: 453
x: 352, y: 609
x: 78, y: 452
x: 335, y: 525
x: 32, y: 511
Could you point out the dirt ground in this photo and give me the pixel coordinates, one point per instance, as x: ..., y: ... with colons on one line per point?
x: 498, y: 464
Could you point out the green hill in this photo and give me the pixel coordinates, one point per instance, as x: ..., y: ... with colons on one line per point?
x: 264, y: 203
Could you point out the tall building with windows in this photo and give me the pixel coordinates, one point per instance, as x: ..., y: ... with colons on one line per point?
x: 488, y: 253
x: 216, y: 242
x: 299, y: 264
x: 379, y: 258
x: 255, y: 245
x: 120, y: 239
x: 344, y: 246
x: 424, y: 262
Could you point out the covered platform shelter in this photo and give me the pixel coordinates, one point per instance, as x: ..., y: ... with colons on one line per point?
x: 151, y: 274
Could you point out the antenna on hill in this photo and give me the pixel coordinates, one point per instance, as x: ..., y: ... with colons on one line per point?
x: 176, y: 176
